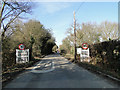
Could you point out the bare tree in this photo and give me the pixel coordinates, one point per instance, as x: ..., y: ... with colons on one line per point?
x: 9, y: 11
x: 109, y: 30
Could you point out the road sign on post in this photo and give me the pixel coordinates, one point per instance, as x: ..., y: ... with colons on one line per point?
x: 84, y: 52
x: 78, y: 50
x: 22, y: 56
x: 21, y: 47
x: 85, y: 46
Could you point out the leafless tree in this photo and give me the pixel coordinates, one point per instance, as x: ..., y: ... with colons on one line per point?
x: 9, y: 11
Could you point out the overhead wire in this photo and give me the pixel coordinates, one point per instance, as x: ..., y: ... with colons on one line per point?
x: 79, y: 7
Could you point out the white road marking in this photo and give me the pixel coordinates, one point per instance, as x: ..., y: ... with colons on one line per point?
x: 37, y: 65
x: 43, y: 71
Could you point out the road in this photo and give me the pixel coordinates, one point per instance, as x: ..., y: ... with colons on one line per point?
x: 54, y: 71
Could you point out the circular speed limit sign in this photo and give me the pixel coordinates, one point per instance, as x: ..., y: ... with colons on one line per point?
x: 85, y: 46
x: 21, y: 47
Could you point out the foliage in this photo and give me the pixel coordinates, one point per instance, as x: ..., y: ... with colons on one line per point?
x: 109, y: 30
x: 54, y: 49
x: 9, y: 12
x: 106, y: 54
x: 90, y: 33
x: 97, y: 69
x: 103, y: 43
x: 65, y: 47
x: 33, y: 35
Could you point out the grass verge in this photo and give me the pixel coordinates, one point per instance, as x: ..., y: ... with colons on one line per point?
x: 96, y: 69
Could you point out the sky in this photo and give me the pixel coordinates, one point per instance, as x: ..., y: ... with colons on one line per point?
x: 58, y: 16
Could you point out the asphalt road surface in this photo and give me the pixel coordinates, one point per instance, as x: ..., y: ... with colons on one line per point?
x: 54, y: 71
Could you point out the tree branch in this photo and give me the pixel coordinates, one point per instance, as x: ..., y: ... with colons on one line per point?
x: 6, y: 15
x: 12, y: 20
x: 1, y: 13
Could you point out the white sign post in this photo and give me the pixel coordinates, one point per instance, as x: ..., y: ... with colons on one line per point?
x: 22, y: 56
x: 78, y: 50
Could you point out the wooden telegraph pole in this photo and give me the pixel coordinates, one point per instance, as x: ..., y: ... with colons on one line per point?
x: 75, y: 38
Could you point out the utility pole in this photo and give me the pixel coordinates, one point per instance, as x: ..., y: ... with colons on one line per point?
x: 75, y: 38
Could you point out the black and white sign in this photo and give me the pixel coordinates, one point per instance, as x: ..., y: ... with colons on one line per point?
x: 84, y: 52
x: 22, y: 56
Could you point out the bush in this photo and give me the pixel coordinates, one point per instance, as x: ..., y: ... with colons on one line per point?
x: 106, y: 54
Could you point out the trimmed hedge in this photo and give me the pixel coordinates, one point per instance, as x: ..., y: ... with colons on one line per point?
x: 106, y: 55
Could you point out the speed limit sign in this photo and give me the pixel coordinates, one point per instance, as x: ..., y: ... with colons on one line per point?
x: 21, y: 47
x: 85, y: 46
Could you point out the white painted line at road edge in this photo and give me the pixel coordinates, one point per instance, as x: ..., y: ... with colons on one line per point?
x: 108, y: 76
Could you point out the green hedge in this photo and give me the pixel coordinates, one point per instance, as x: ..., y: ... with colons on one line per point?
x: 106, y: 54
